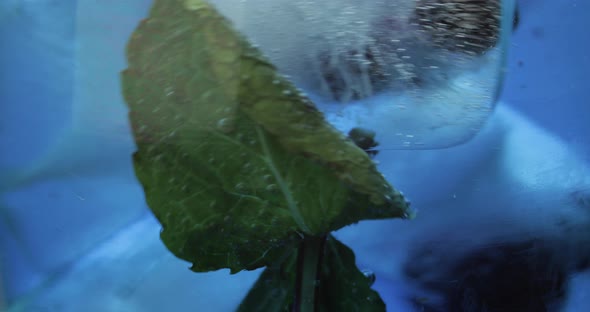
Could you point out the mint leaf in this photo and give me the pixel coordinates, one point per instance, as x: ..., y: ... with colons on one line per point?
x: 235, y: 162
x: 343, y: 287
x: 274, y: 290
x: 340, y: 287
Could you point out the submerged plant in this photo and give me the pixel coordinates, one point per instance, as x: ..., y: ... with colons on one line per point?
x: 242, y: 170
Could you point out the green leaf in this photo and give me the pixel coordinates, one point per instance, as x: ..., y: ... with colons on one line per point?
x: 235, y: 162
x: 343, y: 287
x: 340, y: 287
x: 274, y: 290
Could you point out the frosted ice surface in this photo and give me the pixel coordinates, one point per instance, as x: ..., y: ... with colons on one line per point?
x: 134, y: 272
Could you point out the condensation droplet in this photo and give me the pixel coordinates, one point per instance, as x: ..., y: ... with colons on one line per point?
x: 272, y: 187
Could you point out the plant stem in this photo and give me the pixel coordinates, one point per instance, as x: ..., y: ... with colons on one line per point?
x: 308, y: 263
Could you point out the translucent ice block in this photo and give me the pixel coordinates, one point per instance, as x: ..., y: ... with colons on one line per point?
x: 420, y: 73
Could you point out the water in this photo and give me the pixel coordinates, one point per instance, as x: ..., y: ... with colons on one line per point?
x: 76, y: 233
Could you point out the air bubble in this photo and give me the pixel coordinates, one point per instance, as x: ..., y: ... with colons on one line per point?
x: 272, y: 187
x: 408, y: 202
x: 267, y: 177
x: 225, y: 125
x: 370, y: 275
x: 194, y: 5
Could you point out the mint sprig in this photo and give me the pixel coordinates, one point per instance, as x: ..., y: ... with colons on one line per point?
x: 238, y: 166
